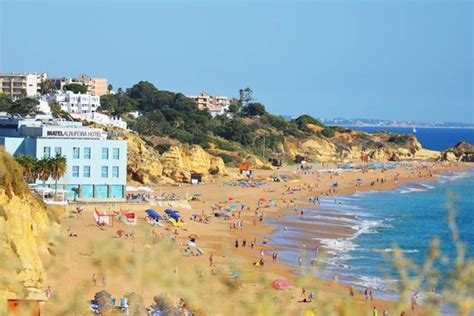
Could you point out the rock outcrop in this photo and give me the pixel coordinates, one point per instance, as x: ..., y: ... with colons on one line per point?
x: 462, y: 151
x: 349, y: 145
x: 25, y: 225
x: 146, y: 165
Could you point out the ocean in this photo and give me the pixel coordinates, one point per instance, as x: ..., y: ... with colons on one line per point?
x: 408, y: 217
x: 430, y: 138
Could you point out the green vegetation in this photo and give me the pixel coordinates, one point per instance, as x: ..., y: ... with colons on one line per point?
x: 42, y: 169
x: 76, y: 87
x: 48, y: 86
x: 22, y: 106
x: 170, y: 114
x: 328, y: 132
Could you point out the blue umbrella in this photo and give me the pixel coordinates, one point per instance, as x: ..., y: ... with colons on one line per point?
x: 153, y: 214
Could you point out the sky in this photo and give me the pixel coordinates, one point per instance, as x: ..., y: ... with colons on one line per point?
x: 396, y: 60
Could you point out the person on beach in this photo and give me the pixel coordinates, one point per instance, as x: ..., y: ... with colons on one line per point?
x: 251, y: 245
x: 236, y: 244
x: 413, y: 302
x: 48, y: 293
x: 261, y: 252
x: 244, y: 243
x: 371, y: 294
x: 104, y: 281
x: 351, y: 291
x: 366, y: 293
x: 375, y: 312
x: 264, y: 240
x: 210, y: 260
x: 94, y: 279
x: 300, y: 261
x: 385, y: 312
x: 286, y: 229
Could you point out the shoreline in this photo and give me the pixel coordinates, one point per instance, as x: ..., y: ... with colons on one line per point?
x: 292, y: 271
x: 218, y: 238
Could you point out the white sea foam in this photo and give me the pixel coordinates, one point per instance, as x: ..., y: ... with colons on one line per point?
x: 391, y: 250
x: 338, y: 245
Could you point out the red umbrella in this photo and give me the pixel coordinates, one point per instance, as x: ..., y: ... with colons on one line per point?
x: 280, y: 284
x: 262, y: 199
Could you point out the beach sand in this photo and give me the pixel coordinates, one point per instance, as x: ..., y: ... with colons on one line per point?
x: 72, y: 264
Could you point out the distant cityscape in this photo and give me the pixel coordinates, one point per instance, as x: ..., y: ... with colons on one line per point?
x: 389, y: 123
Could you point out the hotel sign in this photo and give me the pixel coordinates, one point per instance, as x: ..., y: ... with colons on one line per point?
x: 88, y: 133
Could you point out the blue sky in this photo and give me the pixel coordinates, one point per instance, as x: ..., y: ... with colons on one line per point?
x: 400, y: 60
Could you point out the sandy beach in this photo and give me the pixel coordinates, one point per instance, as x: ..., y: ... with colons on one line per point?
x: 264, y: 210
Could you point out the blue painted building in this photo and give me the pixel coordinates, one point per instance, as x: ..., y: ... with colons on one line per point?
x: 96, y: 163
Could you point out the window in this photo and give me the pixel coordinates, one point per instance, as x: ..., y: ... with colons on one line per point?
x: 57, y: 151
x: 87, y: 172
x: 87, y: 153
x: 47, y: 152
x: 75, y: 152
x: 75, y: 171
x: 105, y: 172
x: 116, y: 153
x: 115, y: 172
x: 105, y: 153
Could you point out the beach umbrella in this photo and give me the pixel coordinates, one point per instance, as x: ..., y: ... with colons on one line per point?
x: 280, y: 284
x: 233, y: 206
x: 359, y: 179
x: 197, y: 194
x: 262, y: 199
x: 193, y: 236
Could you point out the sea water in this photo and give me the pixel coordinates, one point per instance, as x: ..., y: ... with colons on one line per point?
x: 430, y: 138
x: 408, y: 217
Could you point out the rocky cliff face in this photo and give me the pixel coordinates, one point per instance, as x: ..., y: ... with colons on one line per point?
x: 146, y: 165
x: 25, y: 225
x: 350, y: 145
x: 462, y: 151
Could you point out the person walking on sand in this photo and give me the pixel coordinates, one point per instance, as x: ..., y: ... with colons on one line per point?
x: 48, y: 293
x: 244, y: 243
x: 371, y: 294
x: 236, y: 244
x: 366, y: 293
x: 375, y: 312
x: 351, y: 291
x: 94, y: 279
x: 104, y: 281
x: 261, y: 252
x: 210, y: 260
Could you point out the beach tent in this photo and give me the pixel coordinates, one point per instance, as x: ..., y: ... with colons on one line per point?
x: 153, y: 214
x: 130, y: 188
x: 144, y: 189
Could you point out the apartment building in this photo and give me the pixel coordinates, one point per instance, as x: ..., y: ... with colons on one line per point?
x: 95, y: 86
x: 16, y: 85
x: 73, y: 102
x: 216, y: 105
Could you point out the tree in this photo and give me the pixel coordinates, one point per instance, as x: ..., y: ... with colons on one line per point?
x: 24, y: 106
x: 254, y: 109
x: 57, y: 166
x: 245, y: 96
x: 48, y: 86
x: 44, y: 170
x: 5, y: 102
x: 29, y: 165
x: 76, y: 88
x: 110, y: 88
x: 55, y: 108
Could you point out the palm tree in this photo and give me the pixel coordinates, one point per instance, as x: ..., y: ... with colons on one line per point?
x: 44, y: 169
x: 57, y: 167
x: 28, y: 163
